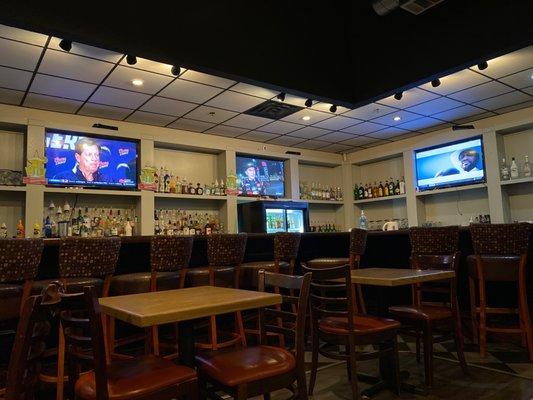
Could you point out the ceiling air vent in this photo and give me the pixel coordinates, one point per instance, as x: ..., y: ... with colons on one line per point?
x: 273, y: 110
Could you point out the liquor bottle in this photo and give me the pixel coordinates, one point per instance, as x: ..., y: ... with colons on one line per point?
x: 386, y: 188
x: 514, y: 169
x: 128, y: 230
x: 380, y: 190
x: 370, y: 191
x: 20, y: 229
x: 391, y: 187
x: 363, y: 222
x: 172, y: 183
x: 207, y: 190
x: 167, y: 181
x: 527, y: 167
x: 47, y: 227
x: 3, y: 230
x: 375, y: 190
x: 356, y: 192
x: 199, y: 189
x: 161, y: 186
x: 397, y: 187
x: 156, y: 180
x: 361, y: 191
x: 216, y: 191
x: 222, y: 187
x: 402, y: 186
x: 192, y: 189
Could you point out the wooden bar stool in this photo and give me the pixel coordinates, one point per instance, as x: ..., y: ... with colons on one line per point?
x: 433, y: 248
x: 225, y: 253
x: 500, y: 256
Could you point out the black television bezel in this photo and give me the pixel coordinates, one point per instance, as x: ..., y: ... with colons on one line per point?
x: 456, y: 184
x: 241, y: 155
x: 137, y: 143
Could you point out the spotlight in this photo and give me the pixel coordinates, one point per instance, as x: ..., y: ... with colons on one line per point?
x: 131, y: 60
x: 65, y: 44
x: 333, y: 108
x: 281, y: 96
x: 435, y: 82
x: 398, y: 96
x: 482, y: 65
x: 308, y: 103
x: 175, y: 70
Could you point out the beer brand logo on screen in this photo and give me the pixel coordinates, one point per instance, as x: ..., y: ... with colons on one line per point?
x: 123, y: 152
x: 60, y: 160
x: 103, y: 164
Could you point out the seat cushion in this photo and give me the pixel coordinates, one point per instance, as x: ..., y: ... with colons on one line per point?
x: 74, y: 285
x: 423, y: 312
x: 495, y: 268
x: 130, y: 379
x: 327, y: 262
x: 249, y: 271
x: 363, y: 324
x: 139, y: 282
x: 224, y: 276
x: 245, y: 365
x: 10, y: 295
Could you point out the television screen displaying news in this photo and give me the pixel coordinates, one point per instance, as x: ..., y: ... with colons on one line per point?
x: 451, y: 164
x: 260, y: 177
x: 76, y: 159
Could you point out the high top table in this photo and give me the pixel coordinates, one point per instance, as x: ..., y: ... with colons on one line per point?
x: 183, y: 306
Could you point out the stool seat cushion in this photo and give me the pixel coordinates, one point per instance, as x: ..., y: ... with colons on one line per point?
x: 224, y: 276
x: 495, y: 267
x: 327, y: 262
x: 362, y: 324
x: 250, y: 270
x: 139, y: 282
x: 423, y: 312
x: 74, y: 285
x: 10, y: 295
x: 249, y: 364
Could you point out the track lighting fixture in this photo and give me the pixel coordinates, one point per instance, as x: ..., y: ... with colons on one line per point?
x: 398, y: 96
x: 308, y: 103
x: 65, y: 44
x: 131, y: 60
x: 176, y: 70
x: 333, y: 108
x: 435, y: 82
x: 482, y: 65
x: 281, y: 96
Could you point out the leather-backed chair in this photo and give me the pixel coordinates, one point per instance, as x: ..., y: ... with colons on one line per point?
x: 433, y: 248
x: 500, y: 256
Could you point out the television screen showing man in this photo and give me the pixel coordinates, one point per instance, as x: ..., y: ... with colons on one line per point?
x: 250, y: 184
x: 87, y: 167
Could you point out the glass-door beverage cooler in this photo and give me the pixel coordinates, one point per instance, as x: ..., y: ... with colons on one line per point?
x: 273, y: 216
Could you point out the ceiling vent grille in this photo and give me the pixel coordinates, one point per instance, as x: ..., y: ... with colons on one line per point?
x: 419, y: 6
x: 273, y: 110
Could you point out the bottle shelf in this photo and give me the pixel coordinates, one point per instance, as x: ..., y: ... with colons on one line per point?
x: 330, y: 202
x: 452, y: 189
x: 100, y: 192
x: 7, y: 188
x: 385, y: 198
x: 517, y: 181
x: 244, y: 199
x: 190, y: 196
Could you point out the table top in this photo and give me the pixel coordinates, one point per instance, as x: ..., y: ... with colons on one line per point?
x: 397, y: 276
x: 155, y: 308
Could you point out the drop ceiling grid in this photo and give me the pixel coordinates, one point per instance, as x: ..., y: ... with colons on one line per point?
x: 415, y: 122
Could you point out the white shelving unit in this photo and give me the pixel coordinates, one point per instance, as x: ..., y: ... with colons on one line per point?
x: 98, y: 192
x: 451, y: 190
x: 7, y: 188
x: 190, y: 197
x: 518, y: 181
x: 387, y: 198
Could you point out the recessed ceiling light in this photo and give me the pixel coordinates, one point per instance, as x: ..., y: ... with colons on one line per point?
x: 281, y: 96
x: 306, y: 117
x: 397, y: 118
x: 137, y: 82
x: 435, y: 82
x: 175, y: 70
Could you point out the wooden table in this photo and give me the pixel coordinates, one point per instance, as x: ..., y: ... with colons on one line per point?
x: 183, y: 306
x: 397, y: 276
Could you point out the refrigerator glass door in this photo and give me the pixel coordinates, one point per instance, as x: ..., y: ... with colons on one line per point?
x: 295, y: 221
x: 275, y: 220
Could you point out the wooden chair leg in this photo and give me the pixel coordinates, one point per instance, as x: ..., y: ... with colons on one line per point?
x: 525, y: 317
x: 302, y: 384
x: 459, y: 343
x: 241, y: 393
x: 353, y: 374
x: 473, y: 313
x: 213, y: 332
x: 395, y: 358
x: 314, y: 363
x: 155, y: 340
x: 428, y: 354
x: 60, y: 385
x: 418, y: 346
x: 240, y: 327
x: 482, y: 321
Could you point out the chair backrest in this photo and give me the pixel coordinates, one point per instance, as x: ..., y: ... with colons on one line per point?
x: 226, y: 249
x: 33, y: 328
x: 500, y: 239
x: 88, y: 257
x: 19, y: 259
x: 290, y: 324
x: 358, y: 241
x: 170, y: 253
x: 286, y: 245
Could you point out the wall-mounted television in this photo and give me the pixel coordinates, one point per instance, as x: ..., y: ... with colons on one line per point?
x: 451, y: 164
x: 260, y: 177
x: 86, y: 160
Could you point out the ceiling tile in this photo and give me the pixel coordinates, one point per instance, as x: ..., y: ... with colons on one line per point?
x: 22, y: 35
x: 14, y: 78
x: 405, y: 136
x: 19, y: 55
x: 520, y: 80
x: 210, y: 114
x: 151, y: 66
x: 374, y: 144
x: 309, y: 132
x: 60, y: 63
x: 286, y: 140
x: 234, y: 101
x: 509, y: 63
x: 247, y: 121
x: 51, y: 103
x: 315, y: 116
x: 88, y: 51
x: 360, y: 141
x: 410, y: 98
x: 458, y: 81
x: 254, y: 90
x: 228, y: 131
x: 103, y: 111
x: 336, y: 123
x: 435, y: 106
x: 420, y: 123
x: 8, y: 96
x: 280, y: 127
x: 166, y: 106
x: 59, y: 87
x: 529, y: 90
x: 257, y: 136
x: 504, y: 100
x: 363, y: 128
x: 434, y: 128
x: 336, y: 137
x: 148, y: 118
x: 189, y: 91
x: 326, y: 106
x: 191, y: 125
x: 295, y: 100
x: 370, y: 111
x: 388, y: 133
x: 118, y: 97
x: 122, y: 77
x: 313, y: 144
x: 475, y: 117
x: 481, y: 92
x: 405, y: 116
x: 458, y: 113
x: 336, y: 148
x: 207, y: 79
x: 515, y: 107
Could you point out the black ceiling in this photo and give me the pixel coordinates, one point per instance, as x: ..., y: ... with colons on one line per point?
x: 337, y: 51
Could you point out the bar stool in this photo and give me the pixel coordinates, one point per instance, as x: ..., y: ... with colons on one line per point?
x: 225, y: 253
x: 500, y: 256
x: 433, y: 248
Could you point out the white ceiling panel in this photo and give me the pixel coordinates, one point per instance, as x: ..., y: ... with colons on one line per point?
x: 207, y: 79
x: 481, y: 92
x: 309, y: 132
x: 410, y: 98
x: 280, y: 127
x: 151, y: 66
x: 435, y: 106
x: 191, y: 125
x: 103, y: 111
x: 14, y: 78
x: 247, y: 121
x: 431, y: 129
x: 504, y: 100
x: 60, y: 87
x: 228, y: 131
x: 51, y: 103
x: 118, y: 98
x: 254, y: 90
x: 364, y: 128
x: 148, y: 118
x: 458, y: 81
x: 405, y: 116
x: 72, y: 66
x: 370, y: 111
x: 189, y: 91
x: 258, y: 136
x: 529, y: 90
x: 313, y: 144
x: 87, y: 51
x: 515, y: 107
x: 8, y: 96
x: 509, y: 63
x: 211, y: 114
x: 166, y: 106
x: 519, y: 80
x: 420, y: 123
x: 234, y: 101
x: 295, y: 100
x: 315, y: 116
x: 286, y: 140
x: 336, y: 137
x: 406, y: 136
x: 374, y: 144
x: 475, y: 117
x: 336, y: 123
x: 388, y: 133
x: 19, y: 55
x: 360, y: 141
x: 458, y: 113
x: 336, y: 148
x: 122, y: 78
x: 324, y: 107
x: 22, y: 35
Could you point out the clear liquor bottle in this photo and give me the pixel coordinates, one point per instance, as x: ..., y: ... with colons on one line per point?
x: 527, y: 167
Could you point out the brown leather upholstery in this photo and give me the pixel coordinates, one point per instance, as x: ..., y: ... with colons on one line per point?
x: 495, y: 268
x: 249, y: 271
x: 74, y: 285
x: 245, y: 365
x: 139, y: 282
x: 422, y: 312
x: 10, y: 295
x: 363, y: 325
x: 224, y: 276
x: 327, y: 262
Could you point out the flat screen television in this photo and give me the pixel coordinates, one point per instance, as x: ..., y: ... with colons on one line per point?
x: 78, y: 159
x: 456, y: 163
x: 260, y: 177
